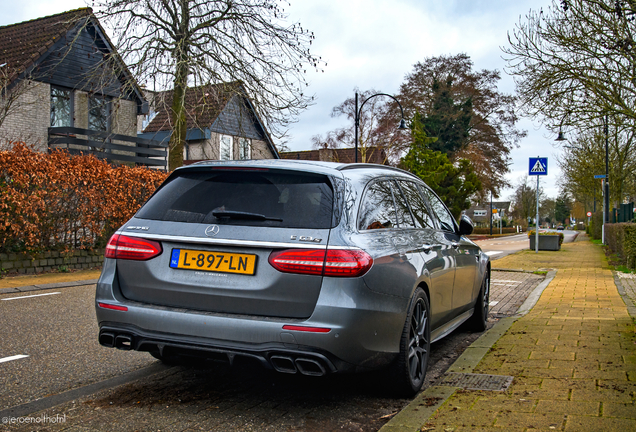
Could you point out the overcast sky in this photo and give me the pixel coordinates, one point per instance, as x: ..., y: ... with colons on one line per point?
x: 375, y: 43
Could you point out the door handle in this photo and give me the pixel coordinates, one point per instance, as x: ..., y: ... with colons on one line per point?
x: 455, y: 245
x: 427, y: 248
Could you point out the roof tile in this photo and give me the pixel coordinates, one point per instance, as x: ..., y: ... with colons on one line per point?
x: 203, y: 105
x: 23, y: 43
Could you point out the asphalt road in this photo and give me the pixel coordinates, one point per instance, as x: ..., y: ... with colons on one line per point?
x: 502, y: 246
x: 56, y: 332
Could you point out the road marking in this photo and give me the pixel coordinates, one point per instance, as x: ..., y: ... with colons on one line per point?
x: 493, y: 303
x: 491, y: 253
x: 15, y: 357
x: 30, y: 296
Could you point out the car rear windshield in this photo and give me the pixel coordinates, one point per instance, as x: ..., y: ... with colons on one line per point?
x: 253, y: 198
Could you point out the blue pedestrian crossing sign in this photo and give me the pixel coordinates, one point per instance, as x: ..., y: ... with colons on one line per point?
x: 539, y: 166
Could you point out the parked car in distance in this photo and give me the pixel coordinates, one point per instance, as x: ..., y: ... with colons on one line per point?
x: 560, y: 228
x: 308, y: 267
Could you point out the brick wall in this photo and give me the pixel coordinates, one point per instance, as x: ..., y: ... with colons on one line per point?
x: 36, y: 263
x: 209, y: 149
x: 30, y: 116
x: 260, y: 150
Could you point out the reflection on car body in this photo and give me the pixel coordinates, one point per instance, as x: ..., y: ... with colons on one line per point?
x: 326, y: 268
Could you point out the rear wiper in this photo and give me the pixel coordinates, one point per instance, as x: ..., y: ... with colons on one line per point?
x: 242, y: 215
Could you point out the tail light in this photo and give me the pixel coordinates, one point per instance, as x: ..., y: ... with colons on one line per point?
x: 132, y: 248
x: 334, y: 262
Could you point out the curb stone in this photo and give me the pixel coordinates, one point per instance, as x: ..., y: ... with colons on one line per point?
x: 48, y: 286
x: 631, y: 307
x: 416, y: 413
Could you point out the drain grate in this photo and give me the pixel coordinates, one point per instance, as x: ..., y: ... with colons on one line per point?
x: 471, y: 381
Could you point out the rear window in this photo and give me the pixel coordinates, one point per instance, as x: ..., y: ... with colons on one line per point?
x: 286, y: 200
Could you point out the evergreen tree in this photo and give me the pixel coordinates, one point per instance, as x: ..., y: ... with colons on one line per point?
x: 447, y: 120
x: 454, y: 183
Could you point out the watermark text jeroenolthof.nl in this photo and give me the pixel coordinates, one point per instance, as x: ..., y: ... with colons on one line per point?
x: 42, y: 419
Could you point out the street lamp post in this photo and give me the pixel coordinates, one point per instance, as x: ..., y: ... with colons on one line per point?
x: 606, y: 200
x: 359, y: 110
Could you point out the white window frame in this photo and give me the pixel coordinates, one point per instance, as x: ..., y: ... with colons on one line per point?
x: 226, y: 139
x: 247, y: 142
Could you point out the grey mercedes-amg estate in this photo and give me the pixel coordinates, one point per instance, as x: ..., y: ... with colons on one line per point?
x: 309, y: 267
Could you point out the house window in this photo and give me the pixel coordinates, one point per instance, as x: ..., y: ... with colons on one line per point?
x: 244, y: 149
x: 226, y: 150
x: 61, y: 107
x: 98, y: 113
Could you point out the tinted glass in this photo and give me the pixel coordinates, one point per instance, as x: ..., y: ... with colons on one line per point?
x: 377, y: 210
x: 445, y: 218
x: 244, y: 198
x: 423, y: 218
x: 403, y: 213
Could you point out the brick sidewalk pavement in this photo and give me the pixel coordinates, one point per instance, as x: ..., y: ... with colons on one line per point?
x: 572, y: 358
x: 508, y: 291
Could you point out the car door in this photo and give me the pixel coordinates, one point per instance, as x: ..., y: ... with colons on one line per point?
x: 461, y: 253
x: 433, y: 253
x: 378, y: 229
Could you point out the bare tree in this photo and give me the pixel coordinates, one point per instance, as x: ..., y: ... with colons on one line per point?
x: 199, y: 42
x: 373, y: 119
x: 525, y: 199
x: 575, y: 62
x: 584, y: 156
x: 8, y: 95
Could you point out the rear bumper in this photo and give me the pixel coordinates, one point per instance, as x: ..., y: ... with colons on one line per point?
x: 365, y: 329
x: 271, y: 355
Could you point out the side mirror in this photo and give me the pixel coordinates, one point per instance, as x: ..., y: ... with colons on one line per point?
x: 465, y: 225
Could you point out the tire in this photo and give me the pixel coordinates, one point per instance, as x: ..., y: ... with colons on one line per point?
x: 408, y: 370
x: 479, y: 321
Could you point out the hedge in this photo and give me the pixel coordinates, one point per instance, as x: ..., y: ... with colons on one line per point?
x: 596, y: 225
x: 547, y: 233
x: 55, y: 201
x: 621, y: 239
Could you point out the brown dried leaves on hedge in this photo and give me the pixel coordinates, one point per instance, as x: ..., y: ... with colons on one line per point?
x: 58, y: 201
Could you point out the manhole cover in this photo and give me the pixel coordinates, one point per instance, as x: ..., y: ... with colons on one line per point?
x: 471, y: 381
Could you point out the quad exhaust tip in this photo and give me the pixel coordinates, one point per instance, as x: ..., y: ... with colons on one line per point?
x: 305, y: 366
x: 119, y: 341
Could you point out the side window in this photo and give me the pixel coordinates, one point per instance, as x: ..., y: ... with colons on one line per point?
x: 61, y: 107
x: 445, y: 218
x: 244, y: 149
x: 99, y: 113
x: 421, y: 213
x: 226, y: 148
x: 377, y: 210
x: 405, y: 220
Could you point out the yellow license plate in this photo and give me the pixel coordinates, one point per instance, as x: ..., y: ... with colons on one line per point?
x: 223, y: 262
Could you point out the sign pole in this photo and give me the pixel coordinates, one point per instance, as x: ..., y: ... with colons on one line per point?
x: 536, y: 225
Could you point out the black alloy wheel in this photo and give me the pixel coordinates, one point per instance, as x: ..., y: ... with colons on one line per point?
x: 409, y: 369
x: 479, y: 321
x: 419, y: 343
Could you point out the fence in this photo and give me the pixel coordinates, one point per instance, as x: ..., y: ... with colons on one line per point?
x: 100, y: 144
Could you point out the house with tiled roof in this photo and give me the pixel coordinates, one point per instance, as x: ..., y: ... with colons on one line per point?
x: 222, y: 124
x: 63, y: 85
x: 480, y: 212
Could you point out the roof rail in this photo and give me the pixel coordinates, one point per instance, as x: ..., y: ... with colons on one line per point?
x: 370, y: 165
